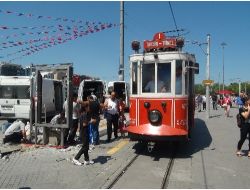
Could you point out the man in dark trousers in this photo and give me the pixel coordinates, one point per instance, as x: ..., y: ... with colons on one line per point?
x: 111, y: 106
x: 94, y: 113
x: 75, y: 117
x: 84, y: 122
x: 214, y: 98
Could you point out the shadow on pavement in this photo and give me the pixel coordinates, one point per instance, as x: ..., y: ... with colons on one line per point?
x: 200, y: 139
x: 102, y: 159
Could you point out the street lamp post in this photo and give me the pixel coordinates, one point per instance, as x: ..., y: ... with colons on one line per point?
x: 223, y: 44
x: 208, y: 78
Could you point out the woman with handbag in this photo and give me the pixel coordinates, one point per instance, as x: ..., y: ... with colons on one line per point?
x: 245, y: 128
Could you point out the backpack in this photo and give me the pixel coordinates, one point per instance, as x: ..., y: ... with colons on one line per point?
x: 240, y: 120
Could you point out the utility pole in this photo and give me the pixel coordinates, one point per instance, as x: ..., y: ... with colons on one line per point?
x: 219, y: 81
x: 121, y: 66
x: 208, y: 78
x: 223, y: 44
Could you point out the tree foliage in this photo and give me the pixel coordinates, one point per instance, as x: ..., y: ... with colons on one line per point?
x: 234, y: 87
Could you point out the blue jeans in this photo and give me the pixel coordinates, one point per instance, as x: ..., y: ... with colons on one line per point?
x: 94, y: 133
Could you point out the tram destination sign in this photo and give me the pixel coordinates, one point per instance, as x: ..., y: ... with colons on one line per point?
x: 166, y: 43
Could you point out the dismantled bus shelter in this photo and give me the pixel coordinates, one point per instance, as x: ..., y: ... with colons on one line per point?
x: 40, y: 119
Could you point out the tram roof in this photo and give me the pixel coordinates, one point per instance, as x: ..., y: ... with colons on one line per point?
x: 163, y: 56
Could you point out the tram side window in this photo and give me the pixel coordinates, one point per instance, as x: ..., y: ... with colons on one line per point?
x: 134, y: 78
x: 178, y: 85
x: 164, y: 77
x: 148, y: 77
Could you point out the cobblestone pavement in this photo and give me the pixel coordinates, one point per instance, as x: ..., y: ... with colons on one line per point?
x: 47, y: 167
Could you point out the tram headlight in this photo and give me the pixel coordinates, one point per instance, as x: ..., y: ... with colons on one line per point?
x: 147, y: 105
x: 155, y: 116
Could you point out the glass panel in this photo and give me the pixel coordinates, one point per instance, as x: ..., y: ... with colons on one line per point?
x: 134, y: 78
x: 22, y: 92
x: 7, y: 92
x: 164, y: 78
x: 178, y: 87
x: 187, y: 76
x: 148, y: 77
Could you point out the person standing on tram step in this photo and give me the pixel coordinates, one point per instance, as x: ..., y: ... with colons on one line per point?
x: 111, y: 106
x: 84, y: 122
x: 75, y: 117
x: 245, y: 128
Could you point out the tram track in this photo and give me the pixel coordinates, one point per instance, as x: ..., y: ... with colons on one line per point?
x: 164, y: 182
x: 125, y: 168
x: 166, y: 177
x: 114, y: 181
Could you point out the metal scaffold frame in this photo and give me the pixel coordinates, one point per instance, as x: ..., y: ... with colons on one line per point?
x: 37, y: 108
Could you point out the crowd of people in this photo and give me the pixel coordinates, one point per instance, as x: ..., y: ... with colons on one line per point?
x: 85, y: 119
x: 87, y: 114
x: 225, y: 101
x: 242, y: 101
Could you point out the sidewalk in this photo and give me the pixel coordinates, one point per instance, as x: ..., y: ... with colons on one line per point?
x: 207, y: 161
x: 211, y: 160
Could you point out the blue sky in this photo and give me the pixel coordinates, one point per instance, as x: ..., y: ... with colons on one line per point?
x: 97, y: 54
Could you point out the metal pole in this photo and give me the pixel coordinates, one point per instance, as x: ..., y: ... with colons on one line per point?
x: 208, y: 78
x: 219, y: 81
x: 223, y: 44
x: 239, y: 86
x: 121, y: 67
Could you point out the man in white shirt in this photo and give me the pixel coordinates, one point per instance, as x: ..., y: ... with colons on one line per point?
x: 75, y: 117
x: 58, y: 119
x: 111, y: 106
x: 16, y: 132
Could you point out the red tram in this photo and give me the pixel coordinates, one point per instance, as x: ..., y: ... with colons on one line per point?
x: 164, y: 113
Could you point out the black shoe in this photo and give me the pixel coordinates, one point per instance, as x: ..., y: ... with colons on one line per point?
x: 108, y: 141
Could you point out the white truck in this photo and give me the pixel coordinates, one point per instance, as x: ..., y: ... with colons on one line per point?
x: 121, y: 89
x: 89, y: 86
x: 15, y: 96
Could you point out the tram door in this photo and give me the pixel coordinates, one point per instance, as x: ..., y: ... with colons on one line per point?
x: 180, y: 97
x: 189, y: 86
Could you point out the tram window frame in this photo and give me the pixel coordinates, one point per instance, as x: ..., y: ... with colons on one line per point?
x: 187, y: 73
x: 134, y: 78
x: 179, y: 63
x: 165, y: 77
x: 147, y: 80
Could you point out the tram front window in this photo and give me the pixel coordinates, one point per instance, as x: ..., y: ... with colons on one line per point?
x: 163, y: 82
x: 148, y: 77
x: 164, y: 77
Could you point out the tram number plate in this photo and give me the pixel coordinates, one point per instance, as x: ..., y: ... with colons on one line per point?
x: 181, y: 122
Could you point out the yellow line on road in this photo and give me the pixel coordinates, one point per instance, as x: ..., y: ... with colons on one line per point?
x: 117, y: 147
